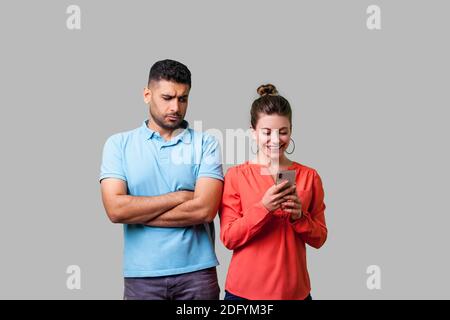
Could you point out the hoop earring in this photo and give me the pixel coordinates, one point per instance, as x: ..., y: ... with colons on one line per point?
x: 293, y: 142
x: 251, y: 148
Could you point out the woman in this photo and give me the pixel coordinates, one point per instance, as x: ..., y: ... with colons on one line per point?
x: 266, y: 224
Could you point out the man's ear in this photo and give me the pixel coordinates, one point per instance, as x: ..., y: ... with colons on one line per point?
x: 147, y: 94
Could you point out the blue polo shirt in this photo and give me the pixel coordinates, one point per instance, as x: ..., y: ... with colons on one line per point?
x: 152, y: 166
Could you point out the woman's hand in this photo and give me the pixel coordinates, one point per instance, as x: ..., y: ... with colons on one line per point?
x: 273, y: 197
x: 292, y: 204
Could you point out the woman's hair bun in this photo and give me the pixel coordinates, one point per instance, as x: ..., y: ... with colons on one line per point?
x: 267, y: 89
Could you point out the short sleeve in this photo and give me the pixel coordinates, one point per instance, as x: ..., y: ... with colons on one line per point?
x: 211, y: 160
x: 112, y: 162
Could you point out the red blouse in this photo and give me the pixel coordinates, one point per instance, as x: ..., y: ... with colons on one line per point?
x: 269, y: 254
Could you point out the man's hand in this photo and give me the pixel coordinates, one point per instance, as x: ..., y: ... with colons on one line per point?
x: 201, y: 208
x: 123, y: 208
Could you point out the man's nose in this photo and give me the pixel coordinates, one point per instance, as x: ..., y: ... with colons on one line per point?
x: 175, y: 105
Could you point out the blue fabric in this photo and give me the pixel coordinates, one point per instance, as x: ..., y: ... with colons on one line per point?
x: 152, y: 166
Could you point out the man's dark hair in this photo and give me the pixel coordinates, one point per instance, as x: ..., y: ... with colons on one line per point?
x: 170, y: 70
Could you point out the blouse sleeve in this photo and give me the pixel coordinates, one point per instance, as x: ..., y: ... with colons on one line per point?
x: 311, y: 226
x: 236, y: 226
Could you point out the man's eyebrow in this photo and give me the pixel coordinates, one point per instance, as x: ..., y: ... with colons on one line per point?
x: 165, y: 95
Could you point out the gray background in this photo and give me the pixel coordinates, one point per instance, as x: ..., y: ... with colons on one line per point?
x: 370, y: 114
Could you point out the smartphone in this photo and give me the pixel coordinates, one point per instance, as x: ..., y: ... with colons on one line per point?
x: 288, y: 175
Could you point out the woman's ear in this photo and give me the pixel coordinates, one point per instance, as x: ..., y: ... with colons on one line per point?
x: 253, y: 133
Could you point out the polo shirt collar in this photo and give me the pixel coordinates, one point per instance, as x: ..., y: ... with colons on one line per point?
x: 184, y: 135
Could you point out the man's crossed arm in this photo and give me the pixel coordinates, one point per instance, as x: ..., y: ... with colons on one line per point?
x: 175, y: 209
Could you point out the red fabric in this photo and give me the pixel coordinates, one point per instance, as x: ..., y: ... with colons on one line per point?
x: 269, y: 254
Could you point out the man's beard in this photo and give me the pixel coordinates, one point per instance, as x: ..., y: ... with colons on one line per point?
x: 166, y: 125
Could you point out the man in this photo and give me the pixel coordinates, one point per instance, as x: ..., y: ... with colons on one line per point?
x: 163, y: 182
